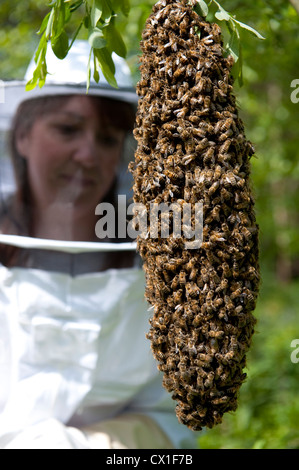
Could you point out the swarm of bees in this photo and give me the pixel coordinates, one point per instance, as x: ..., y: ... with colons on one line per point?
x: 191, y: 147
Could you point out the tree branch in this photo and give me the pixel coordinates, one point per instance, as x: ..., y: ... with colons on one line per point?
x: 295, y: 4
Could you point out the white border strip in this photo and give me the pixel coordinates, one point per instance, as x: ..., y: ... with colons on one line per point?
x: 66, y: 246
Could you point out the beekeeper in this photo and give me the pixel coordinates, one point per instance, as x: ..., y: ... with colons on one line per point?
x: 76, y: 370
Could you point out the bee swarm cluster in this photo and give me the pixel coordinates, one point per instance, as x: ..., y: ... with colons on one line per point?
x: 191, y: 147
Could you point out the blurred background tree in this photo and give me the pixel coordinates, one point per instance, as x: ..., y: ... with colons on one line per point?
x: 268, y: 413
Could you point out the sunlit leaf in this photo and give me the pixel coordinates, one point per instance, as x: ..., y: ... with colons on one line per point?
x: 201, y: 8
x: 104, y: 60
x: 96, y: 38
x: 249, y: 28
x: 96, y: 13
x: 115, y: 42
x: 60, y: 45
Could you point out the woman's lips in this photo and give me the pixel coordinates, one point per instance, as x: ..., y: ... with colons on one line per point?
x: 79, y: 180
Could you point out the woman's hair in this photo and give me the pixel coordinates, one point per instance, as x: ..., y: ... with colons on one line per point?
x: 16, y: 218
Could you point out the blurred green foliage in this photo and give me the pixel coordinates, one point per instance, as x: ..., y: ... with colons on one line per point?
x: 268, y: 412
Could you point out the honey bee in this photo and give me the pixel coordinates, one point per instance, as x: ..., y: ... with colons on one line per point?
x: 234, y: 344
x: 238, y: 237
x: 217, y: 237
x: 252, y: 273
x: 246, y: 233
x: 202, y: 145
x: 216, y: 333
x: 181, y: 113
x: 204, y: 274
x: 229, y: 357
x: 178, y: 296
x: 163, y: 288
x: 193, y: 274
x: 226, y: 271
x: 190, y: 70
x: 229, y: 179
x: 222, y: 286
x: 223, y: 315
x: 213, y: 188
x: 159, y: 355
x: 225, y: 135
x: 238, y: 309
x: 189, y: 181
x: 197, y: 132
x: 168, y: 278
x: 209, y: 381
x: 183, y: 88
x: 230, y: 329
x: 169, y: 126
x: 192, y: 290
x: 182, y: 277
x: 191, y: 264
x: 211, y: 257
x: 225, y: 195
x: 222, y: 255
x: 158, y: 339
x: 215, y: 212
x: 228, y: 303
x: 193, y: 118
x: 250, y: 298
x: 180, y: 71
x: 225, y: 147
x: 188, y: 158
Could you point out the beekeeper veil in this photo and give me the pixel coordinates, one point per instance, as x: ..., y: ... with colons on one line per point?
x: 66, y: 77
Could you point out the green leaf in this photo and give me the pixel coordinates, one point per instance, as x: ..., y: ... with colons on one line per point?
x: 96, y: 38
x: 42, y: 48
x: 116, y: 5
x: 86, y: 21
x: 40, y: 72
x: 76, y: 34
x: 96, y: 13
x: 75, y: 5
x: 114, y: 40
x: 50, y: 24
x: 60, y: 45
x: 104, y: 60
x: 44, y: 24
x: 96, y: 75
x: 88, y: 71
x: 126, y: 7
x: 59, y: 17
x: 68, y: 13
x: 31, y: 84
x: 249, y: 28
x: 107, y: 11
x: 222, y: 15
x: 201, y: 8
x: 233, y: 46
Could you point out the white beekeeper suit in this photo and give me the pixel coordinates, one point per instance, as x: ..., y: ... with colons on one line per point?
x: 76, y: 370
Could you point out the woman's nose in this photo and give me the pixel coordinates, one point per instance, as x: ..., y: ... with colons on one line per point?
x: 87, y: 150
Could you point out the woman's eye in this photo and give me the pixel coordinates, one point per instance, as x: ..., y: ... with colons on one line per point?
x: 66, y: 130
x: 109, y: 141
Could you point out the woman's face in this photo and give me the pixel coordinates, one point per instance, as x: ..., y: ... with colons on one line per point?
x: 71, y: 157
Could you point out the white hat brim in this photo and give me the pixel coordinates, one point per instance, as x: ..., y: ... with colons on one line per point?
x: 13, y: 93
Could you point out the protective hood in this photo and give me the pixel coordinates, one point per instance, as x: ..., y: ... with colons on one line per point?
x: 67, y: 76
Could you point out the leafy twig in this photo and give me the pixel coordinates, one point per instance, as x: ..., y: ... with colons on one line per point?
x: 103, y: 36
x: 234, y: 46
